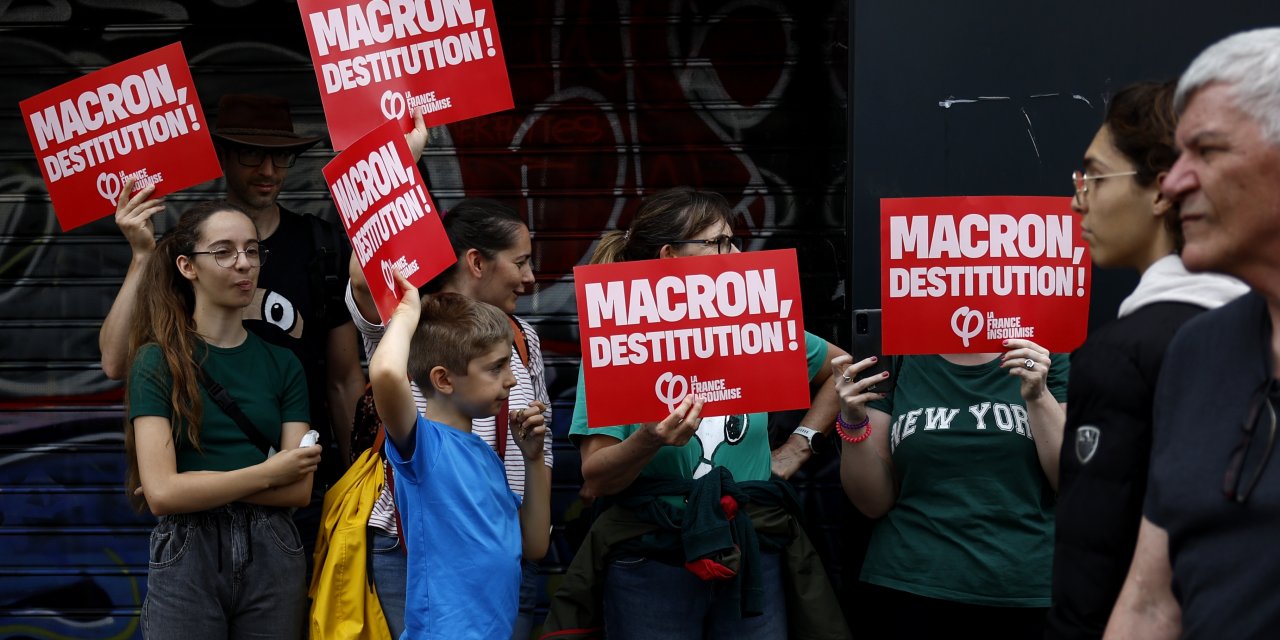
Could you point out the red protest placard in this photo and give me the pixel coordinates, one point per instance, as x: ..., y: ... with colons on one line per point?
x: 726, y: 328
x: 388, y: 214
x: 386, y: 60
x: 962, y: 274
x: 137, y: 119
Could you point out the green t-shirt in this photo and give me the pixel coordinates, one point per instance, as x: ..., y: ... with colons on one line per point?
x: 266, y: 382
x: 738, y: 442
x: 973, y: 522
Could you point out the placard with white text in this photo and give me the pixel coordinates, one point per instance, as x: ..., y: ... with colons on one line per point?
x: 726, y: 328
x: 962, y: 274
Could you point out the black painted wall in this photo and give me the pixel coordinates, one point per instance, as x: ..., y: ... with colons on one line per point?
x: 993, y: 97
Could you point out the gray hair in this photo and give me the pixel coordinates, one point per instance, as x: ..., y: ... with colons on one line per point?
x: 1249, y: 63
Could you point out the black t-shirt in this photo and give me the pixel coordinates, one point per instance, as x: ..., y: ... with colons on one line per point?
x: 286, y: 310
x: 1222, y: 552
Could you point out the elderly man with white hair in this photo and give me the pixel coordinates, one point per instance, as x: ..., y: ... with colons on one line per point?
x: 1205, y: 566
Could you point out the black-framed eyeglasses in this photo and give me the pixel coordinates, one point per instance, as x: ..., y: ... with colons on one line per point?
x: 253, y: 157
x: 1080, y: 180
x: 226, y: 258
x: 1244, y: 470
x: 723, y: 244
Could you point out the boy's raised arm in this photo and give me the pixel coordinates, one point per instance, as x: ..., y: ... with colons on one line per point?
x: 389, y: 370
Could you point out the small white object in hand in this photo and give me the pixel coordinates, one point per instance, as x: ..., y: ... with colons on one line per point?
x: 309, y: 439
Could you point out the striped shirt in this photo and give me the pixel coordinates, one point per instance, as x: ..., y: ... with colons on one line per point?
x: 531, y: 384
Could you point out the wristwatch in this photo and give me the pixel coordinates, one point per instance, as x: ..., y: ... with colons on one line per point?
x: 817, y: 441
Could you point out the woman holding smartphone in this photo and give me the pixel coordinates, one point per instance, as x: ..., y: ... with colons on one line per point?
x: 958, y: 466
x: 639, y: 470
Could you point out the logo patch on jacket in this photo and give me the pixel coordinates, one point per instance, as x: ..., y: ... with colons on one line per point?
x: 1087, y: 438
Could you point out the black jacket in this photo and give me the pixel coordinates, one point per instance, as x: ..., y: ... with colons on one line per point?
x: 1103, y: 466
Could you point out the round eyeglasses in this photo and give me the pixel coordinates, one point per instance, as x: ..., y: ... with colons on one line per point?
x: 226, y: 258
x: 1080, y: 180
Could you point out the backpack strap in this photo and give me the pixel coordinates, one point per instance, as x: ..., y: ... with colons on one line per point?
x: 229, y: 407
x: 379, y: 439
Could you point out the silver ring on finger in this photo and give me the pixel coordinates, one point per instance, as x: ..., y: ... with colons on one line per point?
x: 847, y: 378
x: 1029, y: 363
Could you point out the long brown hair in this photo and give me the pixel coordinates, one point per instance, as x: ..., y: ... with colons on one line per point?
x: 163, y: 317
x: 674, y: 214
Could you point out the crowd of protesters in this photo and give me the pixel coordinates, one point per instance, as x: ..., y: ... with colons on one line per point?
x: 1134, y: 498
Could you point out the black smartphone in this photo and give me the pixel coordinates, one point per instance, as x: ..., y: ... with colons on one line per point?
x: 866, y: 343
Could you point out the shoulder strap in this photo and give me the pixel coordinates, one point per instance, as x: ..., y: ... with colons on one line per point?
x: 229, y: 406
x: 521, y: 341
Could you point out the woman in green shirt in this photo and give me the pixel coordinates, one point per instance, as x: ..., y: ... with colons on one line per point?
x: 958, y: 464
x: 225, y: 557
x: 654, y: 590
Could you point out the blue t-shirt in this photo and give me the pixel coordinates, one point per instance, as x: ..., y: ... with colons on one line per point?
x: 462, y: 533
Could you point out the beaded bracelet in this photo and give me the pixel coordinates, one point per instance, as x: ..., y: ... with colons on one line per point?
x: 843, y: 428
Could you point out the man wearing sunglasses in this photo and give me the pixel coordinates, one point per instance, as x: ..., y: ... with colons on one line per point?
x: 299, y: 301
x: 1212, y: 510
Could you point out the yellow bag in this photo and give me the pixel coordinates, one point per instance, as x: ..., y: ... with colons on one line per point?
x: 344, y: 605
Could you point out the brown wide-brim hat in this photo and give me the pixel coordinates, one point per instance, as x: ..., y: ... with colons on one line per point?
x: 258, y: 121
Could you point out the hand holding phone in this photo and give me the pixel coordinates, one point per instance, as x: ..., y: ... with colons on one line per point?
x: 866, y: 343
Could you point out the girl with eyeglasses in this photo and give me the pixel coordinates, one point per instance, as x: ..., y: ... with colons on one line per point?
x: 226, y: 560
x: 652, y: 479
x: 1129, y: 224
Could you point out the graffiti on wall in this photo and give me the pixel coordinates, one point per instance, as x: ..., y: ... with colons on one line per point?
x: 614, y: 101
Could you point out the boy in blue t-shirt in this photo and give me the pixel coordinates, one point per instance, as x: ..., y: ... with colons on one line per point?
x: 465, y: 530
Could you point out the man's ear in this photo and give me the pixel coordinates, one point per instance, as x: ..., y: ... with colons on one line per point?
x: 474, y: 262
x: 1161, y: 204
x: 441, y: 380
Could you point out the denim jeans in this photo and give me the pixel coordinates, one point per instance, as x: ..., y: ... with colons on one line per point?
x: 648, y: 599
x: 528, y: 601
x: 389, y: 565
x: 231, y: 572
